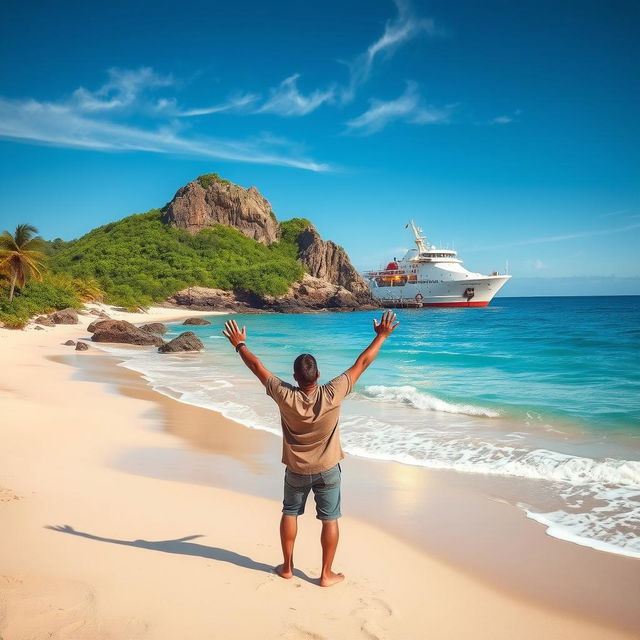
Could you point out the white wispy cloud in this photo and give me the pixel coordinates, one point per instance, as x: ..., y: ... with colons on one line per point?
x: 234, y: 103
x: 559, y: 238
x: 286, y: 99
x: 123, y: 89
x: 409, y: 107
x: 96, y: 121
x: 622, y: 214
x: 403, y: 28
x: 506, y: 119
x: 618, y: 212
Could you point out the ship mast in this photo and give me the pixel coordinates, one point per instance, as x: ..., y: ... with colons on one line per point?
x: 421, y: 241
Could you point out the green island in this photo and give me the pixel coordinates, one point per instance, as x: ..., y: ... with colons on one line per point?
x: 137, y: 261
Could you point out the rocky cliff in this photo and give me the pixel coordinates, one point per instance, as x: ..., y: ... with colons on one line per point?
x: 332, y: 281
x: 309, y: 294
x: 210, y: 199
x: 327, y: 261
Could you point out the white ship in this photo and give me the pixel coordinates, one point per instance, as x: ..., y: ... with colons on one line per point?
x: 432, y: 277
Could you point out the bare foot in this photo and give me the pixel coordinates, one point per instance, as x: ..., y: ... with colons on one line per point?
x: 331, y: 579
x: 284, y: 573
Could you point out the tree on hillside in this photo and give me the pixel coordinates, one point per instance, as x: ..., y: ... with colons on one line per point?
x: 21, y: 256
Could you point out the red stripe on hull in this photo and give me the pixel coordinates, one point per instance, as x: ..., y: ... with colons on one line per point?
x: 456, y: 304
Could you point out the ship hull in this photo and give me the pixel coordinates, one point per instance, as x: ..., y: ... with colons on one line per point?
x: 470, y: 303
x: 477, y: 292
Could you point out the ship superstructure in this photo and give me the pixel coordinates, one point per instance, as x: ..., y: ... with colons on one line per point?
x: 431, y: 277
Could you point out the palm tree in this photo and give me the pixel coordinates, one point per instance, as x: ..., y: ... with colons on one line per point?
x: 21, y: 257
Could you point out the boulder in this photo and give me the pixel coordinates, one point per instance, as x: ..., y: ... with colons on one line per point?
x: 82, y: 346
x: 38, y: 328
x: 187, y: 341
x: 70, y: 343
x: 198, y: 321
x: 99, y: 313
x: 121, y: 331
x: 210, y: 199
x: 65, y: 316
x: 92, y: 326
x: 313, y: 294
x: 45, y: 321
x: 154, y: 327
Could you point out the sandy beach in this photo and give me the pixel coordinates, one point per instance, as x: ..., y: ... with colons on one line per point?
x: 126, y: 514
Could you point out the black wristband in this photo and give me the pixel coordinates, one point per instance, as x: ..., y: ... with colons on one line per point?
x: 240, y: 344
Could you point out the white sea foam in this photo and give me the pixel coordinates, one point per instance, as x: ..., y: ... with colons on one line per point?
x: 566, y: 526
x: 409, y: 395
x: 371, y: 438
x: 610, y: 521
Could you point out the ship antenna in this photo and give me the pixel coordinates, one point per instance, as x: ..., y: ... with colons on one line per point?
x: 420, y: 239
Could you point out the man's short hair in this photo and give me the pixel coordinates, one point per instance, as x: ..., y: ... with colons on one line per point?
x: 306, y: 369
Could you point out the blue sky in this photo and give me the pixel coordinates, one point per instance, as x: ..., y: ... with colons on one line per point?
x: 507, y: 130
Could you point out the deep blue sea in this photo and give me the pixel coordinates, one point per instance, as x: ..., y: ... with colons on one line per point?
x: 542, y: 389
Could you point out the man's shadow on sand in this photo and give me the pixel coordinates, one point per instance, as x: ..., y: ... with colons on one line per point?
x: 184, y: 547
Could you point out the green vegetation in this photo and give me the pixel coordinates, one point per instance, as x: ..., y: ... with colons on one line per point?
x: 51, y: 247
x: 54, y: 291
x: 139, y: 260
x: 289, y: 232
x: 209, y: 179
x: 21, y: 256
x: 27, y: 288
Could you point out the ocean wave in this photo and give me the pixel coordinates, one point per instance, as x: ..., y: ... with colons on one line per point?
x: 421, y: 400
x: 610, y: 522
x: 370, y: 438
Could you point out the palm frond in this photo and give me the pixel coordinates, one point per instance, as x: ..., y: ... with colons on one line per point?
x: 21, y: 256
x: 24, y: 233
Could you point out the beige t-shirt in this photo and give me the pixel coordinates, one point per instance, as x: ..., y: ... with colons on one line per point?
x: 310, y: 434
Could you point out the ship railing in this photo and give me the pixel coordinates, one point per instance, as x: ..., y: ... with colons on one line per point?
x: 385, y: 272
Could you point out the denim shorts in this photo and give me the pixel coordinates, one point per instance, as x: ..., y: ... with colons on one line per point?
x: 326, y: 492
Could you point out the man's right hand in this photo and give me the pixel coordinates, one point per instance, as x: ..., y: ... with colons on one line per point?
x: 233, y: 333
x: 386, y: 326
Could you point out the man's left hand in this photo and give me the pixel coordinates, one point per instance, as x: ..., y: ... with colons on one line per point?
x: 233, y: 333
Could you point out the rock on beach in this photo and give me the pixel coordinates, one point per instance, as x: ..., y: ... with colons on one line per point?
x: 187, y: 341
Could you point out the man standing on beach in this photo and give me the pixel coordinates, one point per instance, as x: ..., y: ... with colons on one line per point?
x: 311, y: 439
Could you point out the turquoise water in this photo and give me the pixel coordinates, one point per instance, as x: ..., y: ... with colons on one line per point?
x: 575, y: 359
x: 545, y: 390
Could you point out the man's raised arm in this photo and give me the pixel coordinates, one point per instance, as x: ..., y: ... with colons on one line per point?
x: 238, y: 339
x: 383, y: 330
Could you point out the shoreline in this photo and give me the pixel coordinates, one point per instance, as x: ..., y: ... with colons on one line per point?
x: 119, y: 435
x: 502, y: 533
